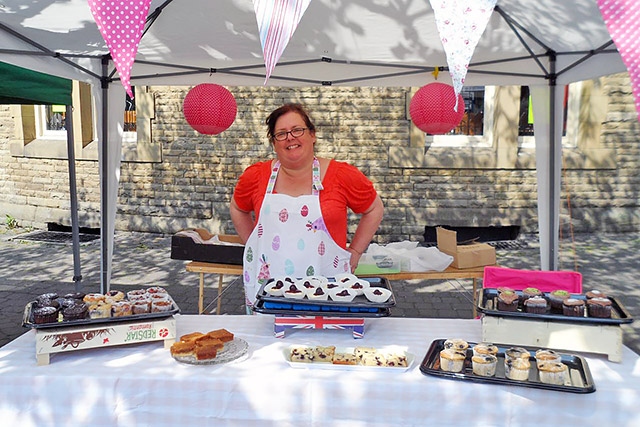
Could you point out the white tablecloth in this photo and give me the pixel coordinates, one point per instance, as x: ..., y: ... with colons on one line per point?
x: 141, y: 385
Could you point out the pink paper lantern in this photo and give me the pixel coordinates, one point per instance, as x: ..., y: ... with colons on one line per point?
x: 210, y: 108
x: 432, y: 108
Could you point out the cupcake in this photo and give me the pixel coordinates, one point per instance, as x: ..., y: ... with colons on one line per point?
x: 507, y: 301
x: 306, y: 285
x: 535, y: 305
x: 101, y: 310
x: 556, y: 298
x: 528, y: 293
x: 573, y: 307
x: 318, y: 294
x: 485, y: 348
x: 75, y: 295
x: 378, y: 295
x: 547, y: 356
x: 343, y: 295
x: 160, y: 306
x: 156, y: 290
x: 113, y: 296
x: 358, y: 286
x: 484, y: 365
x: 93, y: 298
x: 344, y: 278
x: 141, y: 306
x: 75, y: 312
x: 294, y: 291
x: 275, y: 287
x: 517, y: 369
x: 595, y: 294
x: 136, y: 294
x: 599, y: 307
x: 121, y: 309
x: 452, y: 360
x: 46, y: 314
x: 556, y: 373
x: 41, y: 299
x: 456, y: 344
x: 516, y: 353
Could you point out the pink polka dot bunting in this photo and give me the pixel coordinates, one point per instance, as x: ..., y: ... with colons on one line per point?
x: 621, y: 17
x: 121, y: 23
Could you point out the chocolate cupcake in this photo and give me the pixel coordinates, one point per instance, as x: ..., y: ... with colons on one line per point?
x: 556, y: 298
x: 44, y: 300
x: 535, y: 305
x: 507, y: 301
x: 528, y: 293
x: 573, y: 307
x: 75, y: 312
x: 595, y: 294
x: 75, y: 295
x: 599, y: 307
x: 46, y: 314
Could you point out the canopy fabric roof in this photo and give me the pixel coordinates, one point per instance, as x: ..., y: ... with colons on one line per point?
x: 351, y: 43
x: 23, y: 86
x: 392, y: 43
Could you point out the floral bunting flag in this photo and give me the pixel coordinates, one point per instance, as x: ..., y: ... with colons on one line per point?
x: 277, y: 21
x: 121, y: 24
x: 460, y: 24
x: 621, y: 17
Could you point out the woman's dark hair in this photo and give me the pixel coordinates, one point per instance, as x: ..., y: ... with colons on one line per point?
x: 287, y: 108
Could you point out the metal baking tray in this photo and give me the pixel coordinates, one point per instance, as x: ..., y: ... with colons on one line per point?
x: 488, y: 305
x: 580, y: 381
x: 309, y: 310
x: 358, y: 301
x: 27, y: 319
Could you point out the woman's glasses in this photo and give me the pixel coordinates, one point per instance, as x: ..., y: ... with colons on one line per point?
x: 296, y: 133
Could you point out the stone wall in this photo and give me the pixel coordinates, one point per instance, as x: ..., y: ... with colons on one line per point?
x: 193, y: 182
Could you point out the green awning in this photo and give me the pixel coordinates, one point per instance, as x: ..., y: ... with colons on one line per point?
x: 23, y: 86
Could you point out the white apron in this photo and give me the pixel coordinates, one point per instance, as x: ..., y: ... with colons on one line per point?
x: 290, y: 239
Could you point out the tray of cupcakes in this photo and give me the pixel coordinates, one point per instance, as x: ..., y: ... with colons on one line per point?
x: 342, y: 295
x: 559, y: 305
x: 504, y: 364
x: 51, y: 310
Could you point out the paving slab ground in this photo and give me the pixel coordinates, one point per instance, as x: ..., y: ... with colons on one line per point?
x: 28, y: 269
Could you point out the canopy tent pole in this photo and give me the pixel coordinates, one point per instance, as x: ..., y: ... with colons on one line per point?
x: 75, y: 230
x: 105, y: 265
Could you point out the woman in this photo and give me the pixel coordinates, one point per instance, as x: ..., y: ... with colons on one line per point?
x: 300, y: 206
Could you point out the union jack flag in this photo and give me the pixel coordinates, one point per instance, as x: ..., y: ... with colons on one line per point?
x: 282, y: 323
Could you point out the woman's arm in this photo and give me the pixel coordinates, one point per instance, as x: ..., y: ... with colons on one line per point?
x: 242, y: 221
x: 367, y: 227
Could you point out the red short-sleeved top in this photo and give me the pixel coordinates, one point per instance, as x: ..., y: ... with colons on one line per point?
x: 344, y: 187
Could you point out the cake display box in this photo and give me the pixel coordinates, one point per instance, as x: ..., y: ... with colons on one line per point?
x: 589, y: 334
x: 64, y: 339
x: 184, y: 247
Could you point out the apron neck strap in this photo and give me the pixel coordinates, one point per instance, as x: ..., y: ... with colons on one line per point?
x: 316, y: 184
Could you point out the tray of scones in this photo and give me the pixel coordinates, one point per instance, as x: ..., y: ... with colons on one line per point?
x: 53, y: 310
x: 344, y: 292
x: 388, y: 358
x: 508, y: 365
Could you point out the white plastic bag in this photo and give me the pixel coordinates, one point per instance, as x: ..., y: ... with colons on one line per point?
x: 411, y: 256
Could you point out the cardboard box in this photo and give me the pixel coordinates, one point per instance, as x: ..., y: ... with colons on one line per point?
x: 465, y: 256
x: 185, y: 248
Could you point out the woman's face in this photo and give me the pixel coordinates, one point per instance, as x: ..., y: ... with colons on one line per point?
x: 293, y: 151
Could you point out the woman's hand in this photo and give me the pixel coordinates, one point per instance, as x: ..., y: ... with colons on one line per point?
x: 355, y: 258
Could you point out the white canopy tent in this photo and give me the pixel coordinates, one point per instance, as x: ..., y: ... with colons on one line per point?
x: 395, y: 43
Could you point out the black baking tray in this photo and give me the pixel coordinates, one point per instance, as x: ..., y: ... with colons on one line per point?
x: 581, y: 380
x: 307, y: 310
x: 359, y: 301
x: 488, y: 306
x: 27, y: 319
